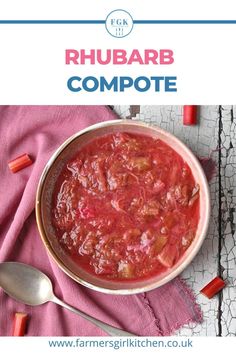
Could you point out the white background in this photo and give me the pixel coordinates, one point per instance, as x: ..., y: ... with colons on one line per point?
x: 40, y: 345
x: 93, y: 9
x: 32, y: 60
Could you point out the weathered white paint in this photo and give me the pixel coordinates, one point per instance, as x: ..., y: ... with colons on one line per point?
x: 228, y: 253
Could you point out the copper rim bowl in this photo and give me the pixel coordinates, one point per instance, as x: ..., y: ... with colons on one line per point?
x: 44, y: 196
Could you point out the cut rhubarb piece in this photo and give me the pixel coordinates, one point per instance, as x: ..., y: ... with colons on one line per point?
x: 19, y: 163
x: 213, y: 287
x: 167, y: 256
x: 190, y: 115
x: 139, y: 163
x: 125, y: 270
x: 19, y: 325
x: 160, y: 242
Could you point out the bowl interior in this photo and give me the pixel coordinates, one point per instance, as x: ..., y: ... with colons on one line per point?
x: 44, y: 206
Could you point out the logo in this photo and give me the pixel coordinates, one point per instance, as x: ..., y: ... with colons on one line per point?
x: 119, y: 23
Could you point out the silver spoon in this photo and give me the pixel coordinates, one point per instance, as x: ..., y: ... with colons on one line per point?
x: 32, y: 287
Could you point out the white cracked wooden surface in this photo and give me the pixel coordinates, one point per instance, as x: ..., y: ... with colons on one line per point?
x: 215, y: 136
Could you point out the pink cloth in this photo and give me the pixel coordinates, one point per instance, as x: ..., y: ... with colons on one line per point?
x: 38, y: 131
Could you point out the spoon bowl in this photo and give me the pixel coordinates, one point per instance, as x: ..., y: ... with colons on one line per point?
x: 25, y: 283
x: 30, y: 286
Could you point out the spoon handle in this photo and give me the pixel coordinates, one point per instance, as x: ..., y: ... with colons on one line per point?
x: 112, y: 331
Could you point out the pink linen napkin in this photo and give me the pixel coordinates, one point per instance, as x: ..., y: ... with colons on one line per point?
x: 38, y: 131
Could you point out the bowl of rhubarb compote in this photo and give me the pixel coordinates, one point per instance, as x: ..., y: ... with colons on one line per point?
x: 123, y: 207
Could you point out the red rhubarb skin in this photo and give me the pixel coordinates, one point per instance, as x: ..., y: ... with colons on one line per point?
x: 126, y: 207
x: 20, y: 163
x: 19, y: 324
x: 213, y: 288
x: 190, y: 115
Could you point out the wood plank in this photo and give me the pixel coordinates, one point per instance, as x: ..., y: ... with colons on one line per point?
x: 228, y: 220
